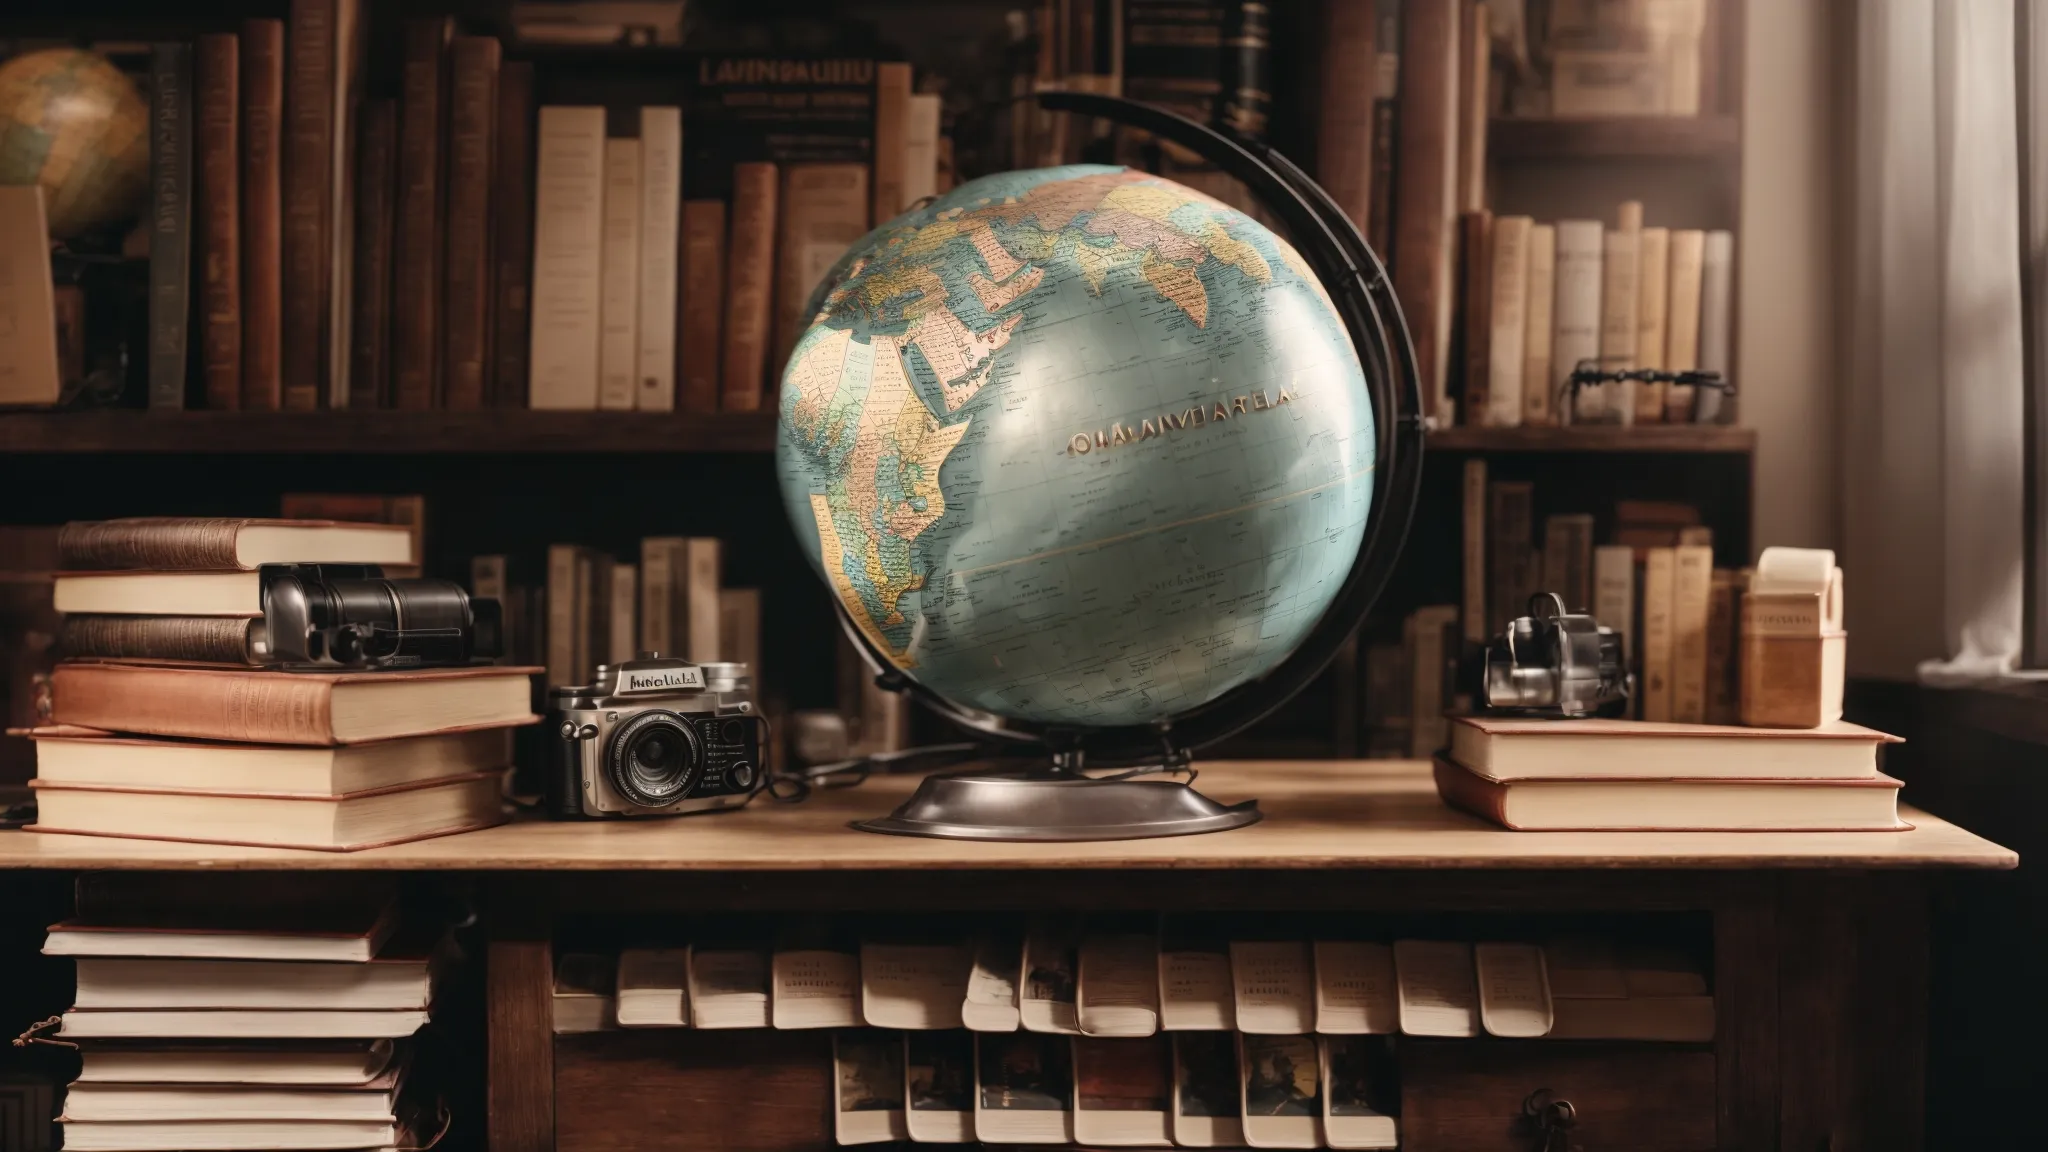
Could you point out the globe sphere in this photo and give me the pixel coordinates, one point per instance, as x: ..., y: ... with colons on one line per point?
x: 1079, y: 446
x: 75, y: 124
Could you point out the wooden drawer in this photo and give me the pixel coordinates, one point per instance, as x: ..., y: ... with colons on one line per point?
x: 735, y: 1091
x: 1468, y: 1095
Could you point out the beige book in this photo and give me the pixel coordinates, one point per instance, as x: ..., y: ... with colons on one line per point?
x: 1653, y: 284
x: 561, y: 635
x: 814, y: 988
x: 868, y: 1088
x: 1282, y: 1100
x: 739, y: 630
x: 1575, y: 315
x: 921, y: 152
x: 1537, y: 330
x: 1207, y: 1112
x: 621, y: 620
x: 1473, y: 71
x: 585, y: 993
x: 345, y: 823
x: 1275, y: 986
x: 1620, y: 260
x: 1472, y: 609
x: 1514, y: 991
x: 749, y: 289
x: 661, y: 203
x: 63, y: 757
x: 728, y: 987
x: 1123, y: 1091
x: 653, y: 988
x: 892, y: 140
x: 1116, y: 990
x: 913, y: 985
x: 568, y: 257
x: 657, y: 595
x: 28, y: 303
x: 824, y: 210
x: 1682, y: 326
x: 1439, y: 993
x: 1717, y: 319
x: 1355, y: 988
x: 1195, y: 991
x: 1024, y: 1089
x: 679, y: 608
x: 618, y: 350
x: 1691, y: 600
x: 342, y: 1065
x: 1660, y: 573
x: 1508, y: 313
x: 1045, y: 987
x: 938, y: 1086
x: 1352, y: 1117
x: 990, y: 1004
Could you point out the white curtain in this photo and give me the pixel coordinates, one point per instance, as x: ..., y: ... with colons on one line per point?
x: 1932, y: 403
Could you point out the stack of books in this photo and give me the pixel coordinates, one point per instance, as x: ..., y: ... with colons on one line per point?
x: 165, y: 726
x: 1634, y: 775
x: 278, y: 1024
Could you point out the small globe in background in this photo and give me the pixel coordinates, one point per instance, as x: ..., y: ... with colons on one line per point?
x: 1078, y: 446
x: 77, y: 125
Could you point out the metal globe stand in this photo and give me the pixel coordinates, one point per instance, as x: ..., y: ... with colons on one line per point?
x: 1053, y: 798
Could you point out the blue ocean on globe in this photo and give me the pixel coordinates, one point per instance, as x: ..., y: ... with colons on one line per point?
x: 1078, y: 446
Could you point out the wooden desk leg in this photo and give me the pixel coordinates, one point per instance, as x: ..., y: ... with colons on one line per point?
x: 1746, y: 1012
x: 521, y: 1036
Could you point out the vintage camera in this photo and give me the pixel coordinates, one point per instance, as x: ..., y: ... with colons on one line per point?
x: 1555, y: 663
x: 655, y: 737
x: 351, y: 616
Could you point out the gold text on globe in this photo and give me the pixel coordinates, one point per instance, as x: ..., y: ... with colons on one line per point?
x: 1199, y: 416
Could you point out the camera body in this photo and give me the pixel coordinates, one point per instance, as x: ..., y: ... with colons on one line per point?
x: 654, y: 737
x: 1557, y: 664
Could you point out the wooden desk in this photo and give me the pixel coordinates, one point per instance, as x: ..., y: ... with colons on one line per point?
x: 1820, y: 939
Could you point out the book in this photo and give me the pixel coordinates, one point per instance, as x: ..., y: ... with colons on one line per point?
x: 321, y: 1065
x: 1024, y: 1088
x: 618, y: 348
x: 1439, y: 995
x: 1207, y: 1112
x: 1045, y: 987
x: 512, y: 233
x: 922, y: 149
x: 1724, y: 681
x: 29, y: 371
x: 1568, y: 559
x: 343, y: 823
x: 287, y: 708
x: 652, y: 988
x: 262, y: 214
x: 157, y: 1102
x: 1514, y: 990
x: 585, y: 995
x: 158, y: 596
x: 661, y: 190
x: 171, y: 141
x: 892, y: 141
x: 204, y: 544
x: 1717, y: 319
x: 1116, y: 989
x: 739, y: 630
x: 815, y: 986
x: 913, y: 985
x: 1509, y: 749
x: 1660, y: 574
x: 1430, y: 639
x: 564, y: 662
x: 1281, y: 1098
x: 868, y: 1087
x: 824, y: 209
x: 1344, y: 133
x: 1679, y: 1019
x: 1720, y: 805
x: 1123, y: 1090
x: 1537, y: 376
x: 1355, y: 988
x: 469, y: 201
x: 1620, y: 263
x: 1614, y: 595
x: 728, y: 986
x: 408, y: 512
x: 386, y: 983
x: 1510, y: 556
x: 107, y: 761
x: 991, y: 1000
x: 1387, y: 704
x: 568, y: 246
x: 1425, y: 203
x: 351, y: 64
x: 623, y: 639
x: 1360, y: 1093
x: 1475, y: 323
x: 369, y: 379
x: 1576, y: 313
x: 1691, y: 595
x: 241, y: 1024
x: 749, y: 295
x: 701, y: 304
x: 1196, y: 992
x: 1475, y: 44
x: 1682, y: 329
x: 310, y: 122
x: 1653, y: 296
x: 227, y: 1135
x: 1275, y: 986
x: 1507, y: 312
x: 422, y: 221
x: 1386, y: 93
x: 938, y: 1087
x: 354, y: 934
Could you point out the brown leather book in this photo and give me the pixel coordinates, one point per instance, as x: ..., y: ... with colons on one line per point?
x: 214, y: 544
x: 309, y: 126
x: 1379, y: 226
x: 1344, y: 140
x: 1424, y: 202
x: 701, y: 305
x: 1475, y: 322
x: 202, y: 639
x: 416, y: 292
x: 513, y: 241
x: 262, y: 214
x: 466, y: 290
x: 287, y: 707
x: 217, y: 58
x: 369, y: 370
x: 750, y: 286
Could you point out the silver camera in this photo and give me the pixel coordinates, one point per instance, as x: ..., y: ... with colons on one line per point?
x: 654, y: 737
x: 1556, y: 663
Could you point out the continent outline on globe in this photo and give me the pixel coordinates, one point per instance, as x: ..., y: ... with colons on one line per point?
x: 963, y: 349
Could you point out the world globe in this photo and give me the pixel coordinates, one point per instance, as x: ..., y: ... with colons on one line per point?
x: 75, y: 124
x: 1079, y: 446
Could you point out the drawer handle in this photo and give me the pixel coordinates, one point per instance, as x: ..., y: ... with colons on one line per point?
x: 1553, y: 1118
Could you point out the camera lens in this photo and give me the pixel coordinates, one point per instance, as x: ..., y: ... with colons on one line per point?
x: 653, y: 759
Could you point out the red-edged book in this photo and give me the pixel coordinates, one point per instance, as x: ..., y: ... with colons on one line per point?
x: 1623, y: 804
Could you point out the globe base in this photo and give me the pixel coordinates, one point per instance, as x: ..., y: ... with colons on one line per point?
x: 1048, y: 804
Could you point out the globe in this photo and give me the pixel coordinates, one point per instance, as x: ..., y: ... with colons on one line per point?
x: 1079, y: 446
x: 75, y: 124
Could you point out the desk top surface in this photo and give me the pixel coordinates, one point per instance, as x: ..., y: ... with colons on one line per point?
x: 1319, y: 814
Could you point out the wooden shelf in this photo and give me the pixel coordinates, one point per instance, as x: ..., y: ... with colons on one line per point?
x: 1621, y: 137
x: 384, y: 433
x: 1657, y: 438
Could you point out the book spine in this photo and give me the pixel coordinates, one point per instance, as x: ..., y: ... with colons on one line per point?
x: 1660, y: 571
x: 1385, y: 105
x: 217, y: 59
x: 255, y: 707
x: 1427, y: 731
x: 1575, y: 313
x: 700, y: 614
x: 701, y: 304
x: 262, y: 214
x: 466, y: 287
x: 1691, y: 604
x: 1344, y: 136
x: 1619, y: 263
x: 1653, y: 287
x: 568, y: 246
x: 416, y: 286
x: 1473, y: 609
x: 661, y: 171
x: 1424, y: 201
x: 170, y: 222
x: 208, y: 639
x: 488, y: 577
x: 1614, y: 593
x: 512, y: 243
x: 170, y: 544
x: 561, y: 631
x: 750, y: 285
x: 658, y: 593
x: 1474, y: 49
x: 1724, y: 691
x: 593, y: 611
x: 622, y: 619
x: 1508, y: 314
x: 308, y: 187
x: 376, y: 187
x: 921, y: 170
x: 618, y: 350
x: 1537, y: 325
x: 1511, y: 504
x: 1682, y: 323
x: 1717, y: 288
x: 824, y: 210
x: 1475, y: 269
x: 892, y: 140
x: 1247, y: 66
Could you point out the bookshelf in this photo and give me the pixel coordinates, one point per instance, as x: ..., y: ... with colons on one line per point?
x: 1661, y: 439
x: 384, y: 433
x: 1713, y: 137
